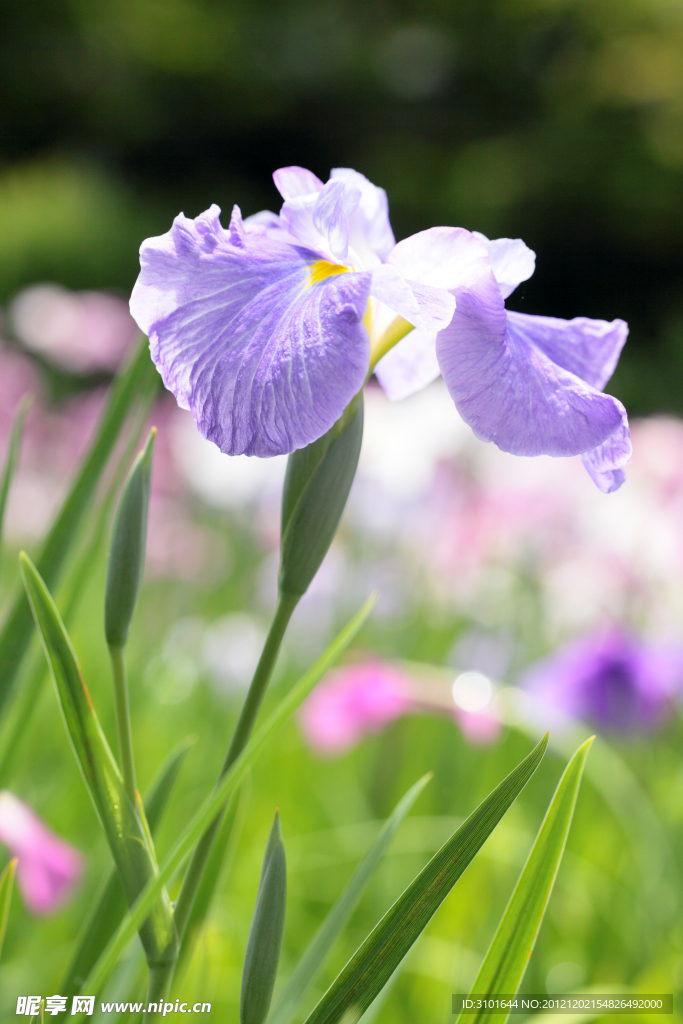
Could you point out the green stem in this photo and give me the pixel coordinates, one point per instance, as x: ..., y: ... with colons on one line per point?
x: 118, y: 665
x: 160, y: 978
x: 264, y: 670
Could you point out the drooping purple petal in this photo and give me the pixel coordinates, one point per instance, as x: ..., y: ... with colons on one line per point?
x: 265, y: 360
x: 509, y: 391
x: 296, y: 181
x: 604, y: 463
x: 588, y: 348
x: 409, y: 366
x: 370, y: 232
x: 512, y: 261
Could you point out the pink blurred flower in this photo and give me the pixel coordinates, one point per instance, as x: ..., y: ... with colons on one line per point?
x: 351, y: 702
x: 48, y: 868
x: 81, y: 331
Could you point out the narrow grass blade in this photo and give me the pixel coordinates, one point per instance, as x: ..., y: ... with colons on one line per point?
x: 218, y: 865
x: 314, y: 957
x: 217, y: 799
x: 110, y: 909
x: 138, y: 381
x: 6, y: 889
x: 265, y: 935
x: 508, y: 955
x: 12, y: 457
x: 126, y: 834
x: 371, y: 966
x: 28, y: 694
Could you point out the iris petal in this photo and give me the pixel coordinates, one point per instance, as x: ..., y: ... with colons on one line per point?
x: 588, y: 348
x: 296, y: 181
x: 512, y: 261
x: 509, y: 391
x: 409, y: 366
x: 605, y: 463
x: 265, y: 363
x: 370, y: 233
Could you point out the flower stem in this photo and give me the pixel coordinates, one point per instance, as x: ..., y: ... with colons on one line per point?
x: 118, y: 664
x: 160, y: 978
x: 264, y: 670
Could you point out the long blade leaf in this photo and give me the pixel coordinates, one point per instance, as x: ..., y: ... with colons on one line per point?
x: 12, y: 457
x: 314, y: 957
x: 508, y: 955
x: 212, y: 805
x: 110, y: 909
x: 374, y: 962
x: 120, y: 820
x: 139, y: 380
x: 6, y: 889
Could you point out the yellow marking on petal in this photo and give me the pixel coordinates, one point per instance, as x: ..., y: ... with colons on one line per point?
x: 395, y: 332
x: 323, y: 268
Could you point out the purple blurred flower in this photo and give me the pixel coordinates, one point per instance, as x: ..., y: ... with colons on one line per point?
x: 48, y: 868
x: 612, y: 679
x: 81, y: 331
x: 266, y: 331
x: 351, y: 702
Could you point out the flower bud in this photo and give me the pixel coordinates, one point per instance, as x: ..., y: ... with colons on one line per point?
x: 127, y: 555
x: 265, y: 936
x: 316, y: 489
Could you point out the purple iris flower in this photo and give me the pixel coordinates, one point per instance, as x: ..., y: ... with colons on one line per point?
x: 267, y: 330
x: 611, y: 679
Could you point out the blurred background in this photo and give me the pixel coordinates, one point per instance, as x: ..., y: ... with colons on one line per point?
x: 513, y: 595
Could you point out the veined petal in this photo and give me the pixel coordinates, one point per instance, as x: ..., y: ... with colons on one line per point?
x: 447, y: 258
x: 296, y: 181
x: 511, y: 261
x: 370, y: 233
x: 420, y: 304
x: 588, y: 348
x: 605, y: 463
x: 409, y: 366
x: 265, y: 360
x: 319, y: 220
x: 509, y: 391
x: 335, y: 204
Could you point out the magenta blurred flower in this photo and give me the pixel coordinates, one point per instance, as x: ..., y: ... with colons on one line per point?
x: 81, y: 331
x: 48, y: 868
x: 351, y: 702
x: 612, y: 679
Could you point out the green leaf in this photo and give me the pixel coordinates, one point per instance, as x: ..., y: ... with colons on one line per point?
x: 29, y: 690
x: 127, y: 555
x: 121, y: 822
x: 213, y: 803
x: 317, y: 485
x: 371, y: 966
x: 217, y: 866
x: 110, y: 909
x: 508, y: 955
x: 138, y: 381
x: 265, y: 935
x: 308, y: 967
x: 6, y: 889
x: 13, y: 455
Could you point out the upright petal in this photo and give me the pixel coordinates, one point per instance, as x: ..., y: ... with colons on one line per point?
x: 296, y: 181
x: 447, y: 258
x: 509, y: 391
x: 319, y: 220
x: 511, y: 261
x: 265, y: 355
x: 588, y: 348
x: 370, y: 232
x: 420, y: 304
